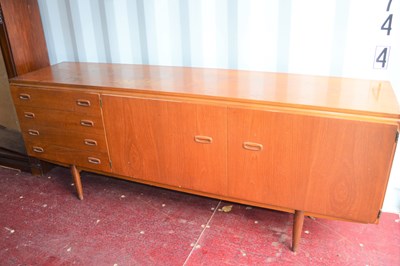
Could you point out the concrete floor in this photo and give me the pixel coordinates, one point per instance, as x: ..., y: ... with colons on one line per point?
x: 123, y: 223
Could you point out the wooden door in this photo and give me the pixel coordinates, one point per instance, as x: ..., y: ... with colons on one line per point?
x: 173, y: 143
x: 21, y: 37
x: 332, y: 167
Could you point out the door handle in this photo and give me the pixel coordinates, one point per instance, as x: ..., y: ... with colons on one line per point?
x: 24, y: 96
x: 90, y: 142
x: 94, y: 160
x: 252, y: 146
x: 87, y: 123
x: 29, y: 115
x: 84, y: 103
x: 203, y: 139
x: 38, y: 149
x: 33, y: 132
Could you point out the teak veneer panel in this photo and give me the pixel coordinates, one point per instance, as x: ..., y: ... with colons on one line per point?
x: 155, y: 140
x: 44, y: 98
x: 309, y: 145
x: 60, y: 119
x: 26, y: 46
x: 345, y: 95
x: 303, y: 166
x: 58, y: 136
x: 68, y: 156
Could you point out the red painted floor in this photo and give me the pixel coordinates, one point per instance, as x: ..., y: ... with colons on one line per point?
x: 123, y: 223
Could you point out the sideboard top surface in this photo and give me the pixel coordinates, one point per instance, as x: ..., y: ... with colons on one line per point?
x: 345, y: 95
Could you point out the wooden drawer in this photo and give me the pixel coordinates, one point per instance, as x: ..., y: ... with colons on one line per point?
x: 82, y: 102
x: 87, y: 159
x: 30, y: 117
x: 65, y: 138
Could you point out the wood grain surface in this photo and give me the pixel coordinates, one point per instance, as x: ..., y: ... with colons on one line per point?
x: 155, y: 140
x: 319, y: 145
x: 27, y: 50
x: 56, y: 100
x: 67, y: 155
x: 334, y: 167
x: 335, y: 94
x: 65, y: 137
x: 71, y: 121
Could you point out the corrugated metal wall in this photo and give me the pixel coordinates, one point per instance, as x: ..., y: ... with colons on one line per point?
x: 331, y: 37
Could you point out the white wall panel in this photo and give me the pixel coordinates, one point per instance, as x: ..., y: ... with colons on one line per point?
x: 209, y: 33
x: 150, y: 30
x: 134, y: 32
x: 124, y: 40
x: 312, y: 24
x: 331, y: 37
x: 163, y: 32
x: 257, y: 23
x: 196, y: 15
x: 224, y: 44
x: 83, y: 28
x: 363, y: 34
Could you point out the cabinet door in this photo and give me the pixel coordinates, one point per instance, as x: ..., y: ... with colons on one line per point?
x: 332, y: 167
x: 173, y: 143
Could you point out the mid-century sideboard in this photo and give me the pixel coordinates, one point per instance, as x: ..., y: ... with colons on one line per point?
x: 308, y: 145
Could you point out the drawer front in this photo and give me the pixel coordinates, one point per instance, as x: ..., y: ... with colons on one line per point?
x: 30, y: 117
x: 65, y: 138
x: 87, y: 159
x: 82, y: 102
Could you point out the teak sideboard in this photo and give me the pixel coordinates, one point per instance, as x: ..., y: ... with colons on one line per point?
x: 308, y: 145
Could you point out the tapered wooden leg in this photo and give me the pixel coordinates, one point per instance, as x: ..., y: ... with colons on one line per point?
x: 77, y: 181
x: 297, y: 228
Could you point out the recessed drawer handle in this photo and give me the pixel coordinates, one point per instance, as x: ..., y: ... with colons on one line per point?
x: 203, y: 139
x: 38, y: 149
x: 94, y: 160
x: 84, y: 103
x: 24, y: 96
x: 33, y: 132
x: 29, y: 115
x: 87, y: 123
x: 90, y: 142
x: 251, y: 146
